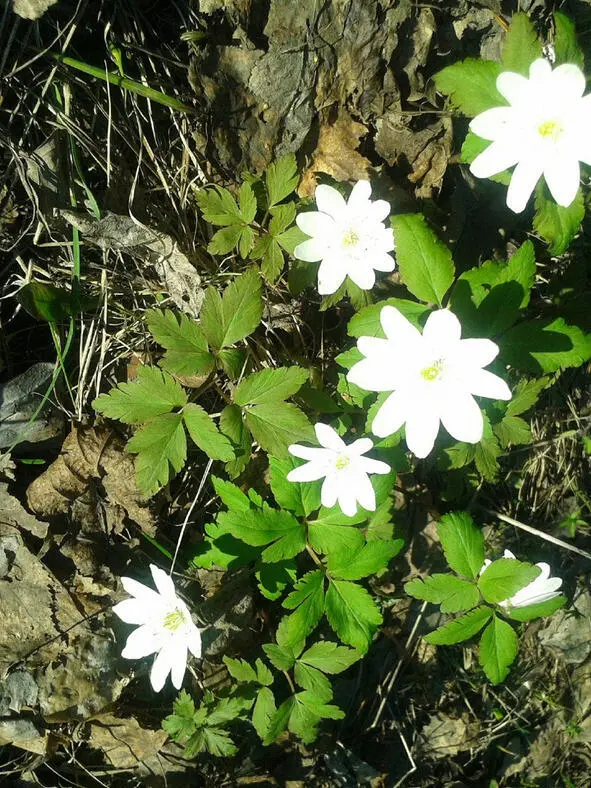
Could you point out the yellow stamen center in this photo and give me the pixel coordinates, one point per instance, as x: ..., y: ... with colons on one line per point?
x: 550, y: 129
x: 350, y: 238
x: 342, y: 462
x: 433, y: 372
x: 174, y: 620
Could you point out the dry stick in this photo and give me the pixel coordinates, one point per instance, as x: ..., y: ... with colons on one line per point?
x: 531, y: 530
x: 188, y: 515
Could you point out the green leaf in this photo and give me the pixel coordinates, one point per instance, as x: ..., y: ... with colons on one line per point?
x: 46, y: 302
x: 230, y: 495
x: 505, y: 577
x: 161, y: 448
x: 537, y: 610
x: 326, y: 538
x: 288, y: 241
x: 276, y: 425
x: 273, y: 579
x: 180, y: 724
x: 281, y: 217
x: 372, y: 558
x: 234, y: 428
x: 513, y: 430
x: 186, y: 347
x: 268, y: 250
x: 281, y: 179
x: 307, y: 602
x: 278, y: 722
x: 263, y: 711
x: 352, y: 613
x: 425, y: 263
x: 329, y: 657
x: 153, y: 393
x: 302, y: 498
x: 280, y: 658
x: 306, y: 714
x: 222, y: 550
x: 521, y: 45
x: 525, y: 395
x: 498, y: 649
x: 487, y: 452
x: 215, y: 741
x: 472, y: 146
x: 566, y: 46
x: 205, y: 434
x: 366, y: 323
x: 461, y: 628
x: 218, y: 206
x: 557, y: 225
x: 310, y: 678
x: 264, y: 675
x: 247, y: 203
x: 245, y: 242
x: 232, y: 360
x: 227, y: 710
x: 240, y: 670
x: 462, y: 542
x: 545, y: 346
x: 270, y: 385
x: 471, y: 85
x: 285, y: 536
x: 449, y: 591
x: 229, y: 318
x: 225, y: 240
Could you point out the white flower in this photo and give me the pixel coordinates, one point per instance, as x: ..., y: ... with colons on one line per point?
x: 545, y: 130
x: 348, y: 237
x: 343, y: 468
x: 432, y: 377
x: 542, y: 589
x: 165, y: 628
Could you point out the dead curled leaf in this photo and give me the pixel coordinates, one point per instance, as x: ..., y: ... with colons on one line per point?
x: 127, y: 745
x: 92, y: 456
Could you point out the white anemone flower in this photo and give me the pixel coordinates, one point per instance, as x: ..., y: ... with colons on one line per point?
x: 544, y: 131
x: 350, y: 238
x: 541, y: 589
x: 343, y: 467
x: 165, y: 628
x: 433, y: 378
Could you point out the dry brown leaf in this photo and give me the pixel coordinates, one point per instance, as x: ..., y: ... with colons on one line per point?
x: 126, y: 745
x: 89, y: 456
x: 336, y: 154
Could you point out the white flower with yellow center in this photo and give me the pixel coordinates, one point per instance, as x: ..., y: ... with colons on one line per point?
x: 545, y: 130
x: 165, y: 628
x: 349, y: 238
x: 343, y: 467
x: 542, y: 589
x: 432, y: 376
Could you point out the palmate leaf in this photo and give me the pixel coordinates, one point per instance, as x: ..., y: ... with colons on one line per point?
x: 461, y: 628
x: 220, y: 549
x: 161, y: 448
x: 153, y: 393
x: 307, y: 601
x: 462, y: 542
x: 505, y: 577
x: 276, y: 425
x: 186, y: 347
x: 498, y: 648
x: 513, y: 430
x: 270, y: 385
x: 205, y: 434
x: 229, y: 318
x: 545, y: 346
x: 230, y: 495
x: 526, y: 395
x: 425, y: 263
x: 521, y: 45
x: 218, y: 206
x: 352, y: 613
x: 281, y: 179
x: 329, y: 657
x: 285, y: 535
x: 449, y: 591
x: 215, y: 741
x: 471, y: 85
x: 373, y: 557
x: 328, y: 538
x: 301, y: 714
x: 312, y: 679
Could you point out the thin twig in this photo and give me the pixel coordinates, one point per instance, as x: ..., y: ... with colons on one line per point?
x: 188, y: 515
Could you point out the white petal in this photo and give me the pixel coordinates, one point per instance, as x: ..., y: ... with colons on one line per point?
x: 384, y: 262
x: 544, y: 571
x: 374, y: 374
x: 379, y: 210
x: 523, y: 182
x: 373, y: 466
x: 374, y: 347
x: 359, y: 197
x: 442, y: 329
x: 476, y: 352
x: 310, y: 251
x: 330, y: 491
x: 162, y: 666
x: 460, y: 415
x: 314, y: 223
x: 514, y: 87
x: 498, y: 157
x: 142, y: 642
x: 179, y: 663
x: 362, y: 274
x: 492, y: 123
x: 330, y: 201
x: 331, y: 275
x: 348, y: 498
x: 360, y: 446
x: 140, y: 591
x: 194, y: 641
x: 163, y: 582
x: 328, y: 437
x: 508, y: 554
x: 383, y: 239
x: 483, y: 383
x: 133, y: 611
x: 562, y: 173
x: 568, y: 82
x: 422, y: 426
x: 307, y: 452
x: 398, y: 328
x: 364, y: 492
x: 308, y: 472
x: 392, y: 415
x: 540, y: 71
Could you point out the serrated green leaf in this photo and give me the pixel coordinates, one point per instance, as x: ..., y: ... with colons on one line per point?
x: 521, y: 45
x: 537, y: 610
x: 326, y: 538
x: 215, y: 741
x: 566, y: 46
x: 268, y: 250
x: 307, y: 712
x: 425, y: 263
x: 153, y: 393
x: 449, y: 591
x: 161, y: 448
x: 270, y: 385
x: 228, y: 709
x: 281, y: 179
x: 263, y: 711
x: 180, y: 724
x: 220, y: 549
x: 288, y: 241
x: 462, y: 542
x: 310, y: 678
x: 330, y: 657
x: 264, y: 675
x: 276, y: 425
x: 373, y: 557
x: 352, y: 613
x: 513, y: 430
x: 487, y: 451
x: 245, y: 242
x: 545, y: 346
x: 556, y: 224
x: 307, y: 602
x: 281, y: 218
x: 302, y: 498
x: 525, y: 395
x: 366, y: 323
x: 285, y: 536
x: 461, y: 628
x: 227, y: 319
x: 239, y: 669
x: 278, y: 721
x: 186, y: 347
x: 471, y: 85
x: 225, y: 240
x: 218, y: 206
x: 205, y: 434
x: 273, y: 579
x: 498, y: 648
x: 280, y: 658
x: 505, y: 577
x: 232, y: 360
x: 247, y: 203
x: 234, y: 428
